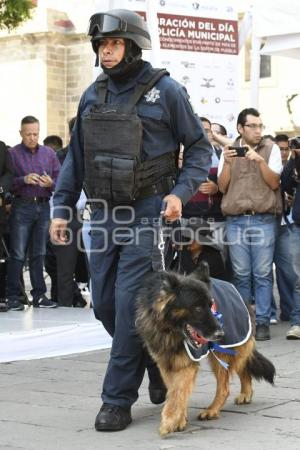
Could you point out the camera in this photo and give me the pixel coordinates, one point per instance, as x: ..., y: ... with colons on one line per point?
x: 240, y: 151
x: 294, y: 143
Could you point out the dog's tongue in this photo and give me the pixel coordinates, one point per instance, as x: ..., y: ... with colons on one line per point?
x: 200, y: 339
x: 196, y: 337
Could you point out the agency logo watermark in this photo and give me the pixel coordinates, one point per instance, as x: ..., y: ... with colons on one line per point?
x: 120, y: 226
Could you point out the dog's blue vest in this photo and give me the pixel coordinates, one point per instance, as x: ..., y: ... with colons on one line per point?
x: 234, y: 318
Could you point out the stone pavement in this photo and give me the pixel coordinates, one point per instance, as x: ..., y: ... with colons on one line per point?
x: 51, y: 404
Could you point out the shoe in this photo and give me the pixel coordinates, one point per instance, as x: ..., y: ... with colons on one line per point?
x: 262, y: 332
x: 157, y: 389
x: 294, y: 332
x: 44, y: 302
x: 78, y: 300
x: 273, y: 321
x: 15, y: 305
x: 284, y: 318
x: 112, y: 418
x: 3, y: 305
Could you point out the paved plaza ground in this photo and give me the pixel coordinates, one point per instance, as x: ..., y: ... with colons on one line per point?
x: 51, y: 404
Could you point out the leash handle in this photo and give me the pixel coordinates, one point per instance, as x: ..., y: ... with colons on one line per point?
x: 161, y: 241
x: 163, y: 208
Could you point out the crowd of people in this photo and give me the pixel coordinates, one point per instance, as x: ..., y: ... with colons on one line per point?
x: 147, y: 157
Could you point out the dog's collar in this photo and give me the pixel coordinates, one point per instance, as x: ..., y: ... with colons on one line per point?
x: 206, y: 346
x: 209, y: 347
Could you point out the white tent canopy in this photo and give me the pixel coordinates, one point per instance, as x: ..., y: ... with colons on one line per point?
x: 276, y: 17
x: 275, y: 23
x: 283, y: 45
x: 278, y: 23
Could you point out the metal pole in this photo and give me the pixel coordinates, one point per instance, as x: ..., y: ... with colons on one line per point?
x: 152, y: 22
x: 255, y: 71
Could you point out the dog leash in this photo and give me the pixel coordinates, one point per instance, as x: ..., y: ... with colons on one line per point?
x: 161, y: 238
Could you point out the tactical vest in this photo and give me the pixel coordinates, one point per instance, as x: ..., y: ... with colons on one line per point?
x: 114, y: 166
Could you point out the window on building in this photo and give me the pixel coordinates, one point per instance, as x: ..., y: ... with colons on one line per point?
x: 265, y: 63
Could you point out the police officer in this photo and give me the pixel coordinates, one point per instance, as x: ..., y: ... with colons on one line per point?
x: 124, y: 146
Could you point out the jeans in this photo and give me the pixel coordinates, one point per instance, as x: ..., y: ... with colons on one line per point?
x: 251, y: 241
x: 294, y: 248
x: 29, y: 225
x: 285, y: 276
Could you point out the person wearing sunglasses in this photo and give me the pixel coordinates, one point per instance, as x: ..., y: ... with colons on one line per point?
x: 124, y: 147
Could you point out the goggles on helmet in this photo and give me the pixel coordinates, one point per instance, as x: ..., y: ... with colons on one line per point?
x: 105, y: 23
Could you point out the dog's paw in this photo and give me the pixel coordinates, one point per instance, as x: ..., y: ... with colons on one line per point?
x: 243, y: 398
x: 208, y: 414
x: 171, y: 427
x: 182, y: 424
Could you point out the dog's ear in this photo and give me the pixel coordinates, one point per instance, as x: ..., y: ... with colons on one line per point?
x: 170, y: 281
x: 201, y: 273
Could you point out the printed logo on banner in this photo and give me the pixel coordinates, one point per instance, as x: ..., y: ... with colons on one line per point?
x: 185, y: 80
x: 204, y: 100
x: 195, y: 5
x: 188, y: 65
x: 224, y: 100
x: 230, y: 83
x: 207, y: 83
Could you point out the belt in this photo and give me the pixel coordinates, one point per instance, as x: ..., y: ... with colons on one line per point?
x: 249, y: 212
x: 32, y: 199
x: 161, y: 187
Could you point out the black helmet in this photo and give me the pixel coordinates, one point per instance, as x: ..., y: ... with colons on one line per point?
x: 119, y: 23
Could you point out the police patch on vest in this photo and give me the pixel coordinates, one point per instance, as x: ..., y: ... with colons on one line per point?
x: 152, y: 95
x: 233, y: 315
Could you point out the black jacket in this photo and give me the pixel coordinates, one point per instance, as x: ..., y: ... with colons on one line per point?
x: 290, y: 183
x: 6, y: 179
x: 61, y: 154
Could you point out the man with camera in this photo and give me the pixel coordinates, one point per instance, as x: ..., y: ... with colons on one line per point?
x: 291, y: 186
x: 6, y: 178
x: 249, y: 177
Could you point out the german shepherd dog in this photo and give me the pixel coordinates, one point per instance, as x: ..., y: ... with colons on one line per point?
x: 172, y: 308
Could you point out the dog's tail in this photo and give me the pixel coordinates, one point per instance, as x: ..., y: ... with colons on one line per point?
x: 261, y: 368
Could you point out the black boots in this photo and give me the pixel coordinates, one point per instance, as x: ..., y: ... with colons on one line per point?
x: 112, y: 418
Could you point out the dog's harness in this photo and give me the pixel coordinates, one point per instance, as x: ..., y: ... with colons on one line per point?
x: 233, y: 316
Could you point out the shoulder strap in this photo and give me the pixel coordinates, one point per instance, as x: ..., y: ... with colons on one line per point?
x: 146, y: 83
x: 143, y: 86
x: 101, y: 87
